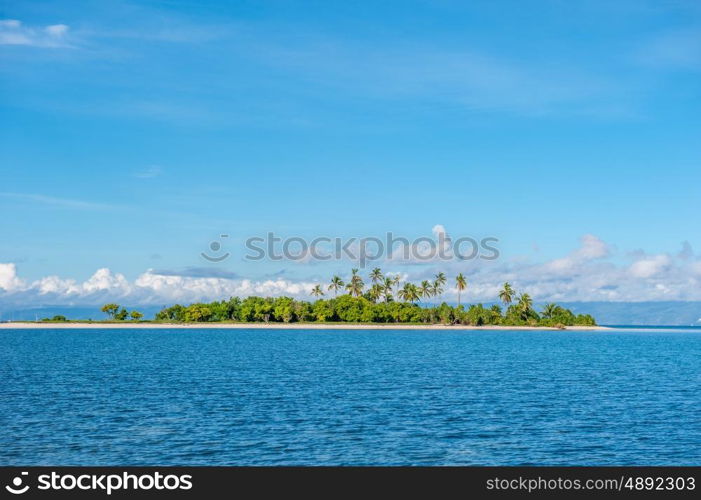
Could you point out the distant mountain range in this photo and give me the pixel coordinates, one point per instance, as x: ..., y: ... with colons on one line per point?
x: 606, y: 313
x: 641, y: 313
x: 71, y: 312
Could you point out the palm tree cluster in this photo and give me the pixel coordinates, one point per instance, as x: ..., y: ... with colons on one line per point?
x: 383, y: 287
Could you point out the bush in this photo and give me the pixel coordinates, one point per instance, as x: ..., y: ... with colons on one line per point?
x: 59, y: 318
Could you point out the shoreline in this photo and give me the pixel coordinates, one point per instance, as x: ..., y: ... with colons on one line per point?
x: 24, y: 325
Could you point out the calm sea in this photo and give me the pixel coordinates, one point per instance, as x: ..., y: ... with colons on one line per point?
x: 162, y: 397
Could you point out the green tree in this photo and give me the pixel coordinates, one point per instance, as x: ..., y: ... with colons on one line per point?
x: 585, y: 320
x: 303, y: 311
x: 438, y: 284
x: 396, y: 280
x: 376, y: 275
x: 387, y: 289
x: 356, y: 285
x: 59, y: 318
x: 322, y: 310
x: 121, y: 315
x: 477, y: 315
x: 336, y: 284
x: 110, y: 310
x: 263, y: 309
x: 349, y: 308
x: 317, y: 291
x: 247, y: 311
x: 136, y: 315
x: 284, y: 309
x: 525, y: 306
x: 409, y: 293
x: 173, y: 313
x: 375, y: 292
x: 426, y: 289
x: 232, y: 308
x: 495, y: 313
x: 460, y: 284
x: 506, y: 294
x: 198, y: 312
x: 549, y: 310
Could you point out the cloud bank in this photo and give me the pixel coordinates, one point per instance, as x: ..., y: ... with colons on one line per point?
x: 588, y: 273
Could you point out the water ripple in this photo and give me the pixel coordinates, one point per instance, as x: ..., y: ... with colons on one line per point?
x: 218, y: 397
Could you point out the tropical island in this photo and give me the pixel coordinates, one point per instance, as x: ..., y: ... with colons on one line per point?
x: 383, y: 302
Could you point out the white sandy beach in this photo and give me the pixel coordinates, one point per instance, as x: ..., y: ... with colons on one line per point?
x: 272, y: 326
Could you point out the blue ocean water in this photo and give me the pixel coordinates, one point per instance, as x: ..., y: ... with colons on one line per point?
x: 274, y: 397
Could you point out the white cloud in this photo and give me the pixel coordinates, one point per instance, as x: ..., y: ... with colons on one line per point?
x: 8, y: 277
x: 438, y: 230
x: 696, y: 268
x: 13, y: 32
x: 57, y: 30
x: 585, y: 274
x: 188, y: 289
x: 591, y: 248
x: 650, y: 266
x: 103, y: 279
x: 148, y: 288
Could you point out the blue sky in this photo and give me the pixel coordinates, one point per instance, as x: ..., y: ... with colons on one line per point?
x: 134, y: 133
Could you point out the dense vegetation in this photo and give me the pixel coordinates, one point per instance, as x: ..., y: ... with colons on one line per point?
x: 377, y: 304
x: 361, y: 310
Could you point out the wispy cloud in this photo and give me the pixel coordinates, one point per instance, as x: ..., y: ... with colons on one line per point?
x: 56, y: 202
x: 677, y: 50
x: 149, y: 172
x: 199, y: 272
x: 473, y: 78
x: 14, y: 32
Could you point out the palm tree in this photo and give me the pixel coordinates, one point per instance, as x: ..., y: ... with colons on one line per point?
x: 438, y: 283
x: 426, y: 289
x: 507, y: 294
x: 396, y: 280
x: 376, y: 292
x: 387, y: 288
x: 409, y: 293
x: 317, y: 291
x: 336, y: 285
x: 440, y: 279
x: 549, y: 310
x: 356, y: 285
x: 525, y: 305
x: 376, y: 275
x: 461, y: 284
